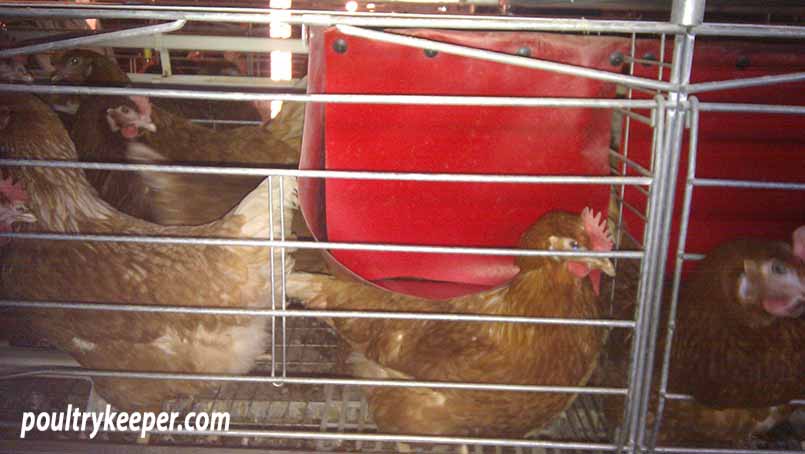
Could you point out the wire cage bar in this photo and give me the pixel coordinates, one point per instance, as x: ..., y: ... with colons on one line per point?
x: 667, y: 114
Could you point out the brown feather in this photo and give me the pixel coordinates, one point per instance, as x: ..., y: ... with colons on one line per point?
x: 740, y: 364
x: 472, y: 352
x: 201, y: 198
x: 151, y: 274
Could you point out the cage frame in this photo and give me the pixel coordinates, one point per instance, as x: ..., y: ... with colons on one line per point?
x: 674, y: 109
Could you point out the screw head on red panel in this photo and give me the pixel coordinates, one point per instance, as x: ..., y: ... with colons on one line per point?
x: 340, y: 46
x: 616, y: 58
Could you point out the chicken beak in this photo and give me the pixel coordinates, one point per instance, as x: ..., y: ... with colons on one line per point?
x: 23, y: 214
x: 146, y: 124
x: 603, y: 264
x: 27, y: 217
x: 56, y: 77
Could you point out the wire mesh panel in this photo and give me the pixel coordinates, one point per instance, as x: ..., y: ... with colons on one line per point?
x: 297, y: 395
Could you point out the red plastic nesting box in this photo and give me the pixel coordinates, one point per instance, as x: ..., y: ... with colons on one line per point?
x: 435, y: 139
x: 740, y: 146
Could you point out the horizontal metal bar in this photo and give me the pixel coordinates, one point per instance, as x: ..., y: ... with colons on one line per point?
x: 675, y: 396
x: 336, y: 436
x: 309, y: 17
x: 333, y: 98
x: 210, y: 43
x: 645, y: 61
x: 226, y: 122
x: 744, y: 83
x: 499, y: 57
x: 34, y: 357
x: 251, y: 312
x: 206, y: 80
x: 104, y: 447
x: 335, y: 174
x: 93, y: 39
x: 177, y: 42
x: 692, y: 257
x: 646, y: 120
x: 630, y: 163
x: 198, y: 241
x: 749, y: 30
x: 751, y: 108
x: 709, y: 182
x: 329, y: 18
x: 675, y: 450
x: 80, y: 372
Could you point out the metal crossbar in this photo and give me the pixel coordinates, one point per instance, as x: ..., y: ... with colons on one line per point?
x: 668, y: 113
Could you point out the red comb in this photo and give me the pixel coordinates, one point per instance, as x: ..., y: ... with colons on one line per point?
x: 143, y: 105
x: 14, y: 192
x: 596, y: 229
x: 799, y: 242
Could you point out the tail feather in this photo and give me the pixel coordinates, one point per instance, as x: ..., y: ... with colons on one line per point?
x: 288, y: 126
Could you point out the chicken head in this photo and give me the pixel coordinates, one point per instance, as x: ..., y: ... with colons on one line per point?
x: 131, y: 121
x: 74, y: 66
x: 13, y: 70
x: 567, y: 232
x: 774, y: 281
x: 13, y: 208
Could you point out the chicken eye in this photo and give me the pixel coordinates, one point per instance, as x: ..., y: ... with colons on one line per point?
x: 74, y: 60
x: 125, y: 109
x: 574, y: 245
x: 778, y: 268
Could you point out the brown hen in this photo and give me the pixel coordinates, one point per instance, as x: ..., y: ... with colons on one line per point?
x: 509, y: 353
x: 101, y: 135
x: 63, y: 201
x: 200, y: 109
x: 737, y: 345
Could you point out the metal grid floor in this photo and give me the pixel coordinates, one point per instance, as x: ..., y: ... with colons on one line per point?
x: 312, y: 350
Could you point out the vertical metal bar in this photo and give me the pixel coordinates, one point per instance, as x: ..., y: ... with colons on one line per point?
x: 683, y: 62
x: 685, y: 12
x: 282, y: 279
x: 165, y: 61
x: 636, y: 366
x: 680, y: 253
x: 272, y: 280
x: 659, y: 76
x: 661, y: 66
x: 624, y: 167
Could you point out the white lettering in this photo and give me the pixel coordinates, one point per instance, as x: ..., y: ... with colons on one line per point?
x: 111, y: 421
x: 149, y: 419
x: 42, y: 422
x: 97, y: 419
x: 162, y: 421
x: 122, y: 418
x: 28, y: 419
